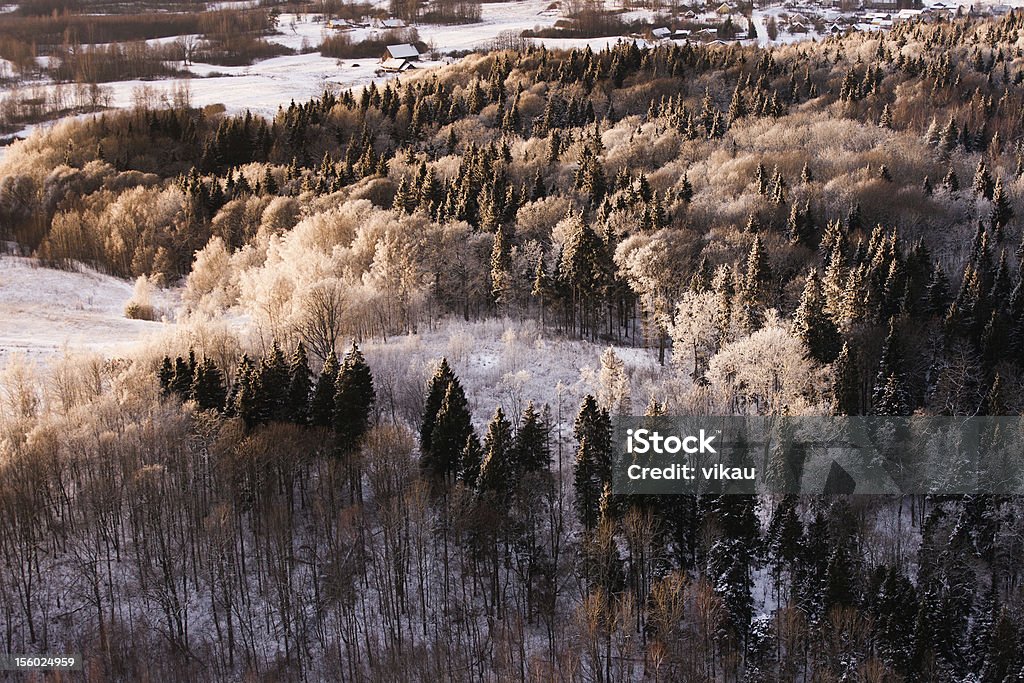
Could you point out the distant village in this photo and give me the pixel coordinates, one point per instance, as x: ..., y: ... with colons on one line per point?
x: 728, y: 22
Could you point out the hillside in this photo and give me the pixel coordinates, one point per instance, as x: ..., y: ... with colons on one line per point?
x: 377, y: 442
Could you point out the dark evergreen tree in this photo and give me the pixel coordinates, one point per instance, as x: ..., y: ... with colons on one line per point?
x: 274, y: 381
x: 353, y: 401
x: 208, y: 389
x: 181, y: 381
x: 452, y: 427
x: 533, y: 452
x: 592, y: 471
x: 300, y: 386
x: 165, y: 374
x: 321, y: 406
x: 983, y: 184
x: 846, y: 396
x: 437, y: 386
x: 813, y: 326
x: 498, y: 467
x: 890, y: 394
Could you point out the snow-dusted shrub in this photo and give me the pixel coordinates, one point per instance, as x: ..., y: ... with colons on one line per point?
x: 140, y: 305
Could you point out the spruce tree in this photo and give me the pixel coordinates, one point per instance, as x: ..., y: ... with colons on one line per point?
x: 983, y: 184
x: 181, y: 381
x: 353, y: 401
x: 845, y: 384
x: 165, y: 374
x: 498, y: 467
x: 592, y: 430
x: 533, y: 452
x: 452, y: 427
x: 436, y: 388
x: 813, y: 326
x: 300, y: 386
x: 472, y: 453
x: 1002, y: 210
x: 321, y: 407
x: 250, y: 402
x: 208, y: 387
x: 274, y: 381
x: 890, y: 395
x: 758, y: 275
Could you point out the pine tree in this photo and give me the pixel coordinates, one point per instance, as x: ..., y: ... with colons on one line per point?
x: 208, y: 389
x: 353, y: 401
x: 951, y: 182
x: 758, y: 275
x: 250, y: 404
x: 592, y: 471
x: 812, y: 325
x: 321, y: 407
x: 437, y: 386
x: 845, y: 384
x: 1002, y: 211
x: 452, y: 427
x: 166, y: 376
x: 785, y: 533
x: 532, y: 450
x: 300, y: 386
x: 498, y: 467
x: 181, y: 381
x: 983, y: 184
x: 890, y: 395
x: 274, y: 380
x: 472, y: 454
x: 500, y: 266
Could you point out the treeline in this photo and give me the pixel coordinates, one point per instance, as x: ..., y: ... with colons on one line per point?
x: 105, y: 47
x: 312, y: 535
x: 339, y: 45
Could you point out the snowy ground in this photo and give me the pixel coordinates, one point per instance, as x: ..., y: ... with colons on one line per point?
x: 265, y: 86
x: 44, y: 311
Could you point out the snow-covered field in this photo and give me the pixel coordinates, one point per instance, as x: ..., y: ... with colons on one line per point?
x: 265, y: 86
x: 44, y: 311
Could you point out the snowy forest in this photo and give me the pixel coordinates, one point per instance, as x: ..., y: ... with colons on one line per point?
x: 373, y: 442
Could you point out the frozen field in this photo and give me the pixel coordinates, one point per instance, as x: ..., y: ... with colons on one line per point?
x: 44, y: 311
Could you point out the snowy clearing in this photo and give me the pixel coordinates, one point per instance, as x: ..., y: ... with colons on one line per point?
x: 44, y: 311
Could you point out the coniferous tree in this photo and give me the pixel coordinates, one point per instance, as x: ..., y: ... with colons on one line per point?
x: 845, y: 384
x: 250, y: 404
x: 437, y: 386
x: 592, y: 431
x: 951, y: 182
x: 983, y: 184
x: 452, y: 428
x: 890, y: 395
x: 500, y: 266
x: 208, y: 389
x: 533, y: 452
x: 498, y: 466
x: 321, y: 406
x: 166, y: 376
x: 757, y: 281
x: 353, y: 401
x: 274, y: 381
x: 300, y: 386
x: 181, y: 381
x: 813, y: 326
x: 472, y: 454
x: 1002, y: 211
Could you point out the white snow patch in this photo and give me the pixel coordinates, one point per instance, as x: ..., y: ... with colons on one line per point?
x: 44, y: 311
